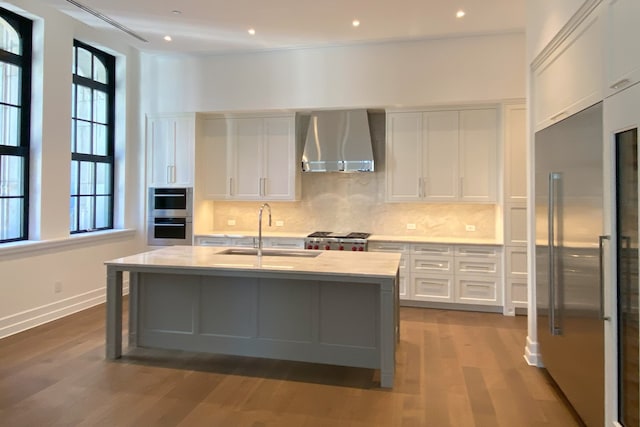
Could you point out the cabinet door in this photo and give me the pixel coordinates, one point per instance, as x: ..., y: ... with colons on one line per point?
x: 515, y: 153
x: 404, y: 157
x: 478, y: 155
x: 571, y: 78
x: 246, y: 155
x: 213, y: 162
x: 183, y: 151
x: 622, y: 65
x: 159, y: 161
x: 278, y: 179
x: 441, y: 156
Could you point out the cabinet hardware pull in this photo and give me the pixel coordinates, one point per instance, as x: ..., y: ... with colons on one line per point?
x: 231, y: 186
x: 620, y: 84
x: 557, y: 116
x: 601, y: 240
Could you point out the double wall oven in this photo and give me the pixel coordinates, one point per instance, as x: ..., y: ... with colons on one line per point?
x: 170, y: 216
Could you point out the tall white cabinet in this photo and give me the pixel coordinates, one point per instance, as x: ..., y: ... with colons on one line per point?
x: 442, y: 156
x: 515, y: 207
x: 170, y: 150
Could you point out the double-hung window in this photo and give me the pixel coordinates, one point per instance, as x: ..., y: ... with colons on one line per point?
x: 15, y: 106
x: 92, y: 139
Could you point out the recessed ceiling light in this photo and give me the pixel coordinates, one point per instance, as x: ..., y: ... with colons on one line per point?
x: 460, y: 13
x: 176, y: 12
x: 251, y: 31
x: 167, y: 38
x: 355, y: 23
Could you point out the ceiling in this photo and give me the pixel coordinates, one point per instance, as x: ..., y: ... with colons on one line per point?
x: 221, y: 26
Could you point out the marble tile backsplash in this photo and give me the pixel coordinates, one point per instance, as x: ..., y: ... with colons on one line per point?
x: 355, y: 202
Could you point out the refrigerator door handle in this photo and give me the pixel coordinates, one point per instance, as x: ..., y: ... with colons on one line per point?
x: 601, y: 240
x: 553, y: 328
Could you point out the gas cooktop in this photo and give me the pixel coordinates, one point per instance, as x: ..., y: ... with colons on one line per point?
x: 340, y: 241
x: 340, y: 235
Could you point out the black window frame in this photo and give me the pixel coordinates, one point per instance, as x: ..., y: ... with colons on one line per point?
x: 109, y: 62
x: 24, y: 28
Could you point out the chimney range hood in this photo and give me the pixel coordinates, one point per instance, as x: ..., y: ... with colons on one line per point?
x: 338, y: 141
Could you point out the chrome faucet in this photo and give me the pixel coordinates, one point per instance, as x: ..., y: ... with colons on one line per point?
x: 260, y: 226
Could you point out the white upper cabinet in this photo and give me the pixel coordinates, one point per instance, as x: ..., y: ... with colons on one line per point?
x: 567, y: 77
x: 622, y: 56
x: 251, y: 158
x: 170, y: 150
x: 442, y: 156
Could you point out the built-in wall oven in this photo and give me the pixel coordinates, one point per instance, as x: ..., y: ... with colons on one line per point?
x: 170, y: 216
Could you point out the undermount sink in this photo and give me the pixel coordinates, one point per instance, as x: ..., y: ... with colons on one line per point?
x: 269, y: 252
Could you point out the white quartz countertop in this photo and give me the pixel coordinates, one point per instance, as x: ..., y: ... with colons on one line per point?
x: 431, y: 239
x: 354, y: 264
x: 266, y: 233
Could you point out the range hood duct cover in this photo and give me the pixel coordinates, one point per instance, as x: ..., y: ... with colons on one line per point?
x: 338, y: 141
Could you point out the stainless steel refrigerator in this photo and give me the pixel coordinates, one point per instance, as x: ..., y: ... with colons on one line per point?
x: 569, y: 225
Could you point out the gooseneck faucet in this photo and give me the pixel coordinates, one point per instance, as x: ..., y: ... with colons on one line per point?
x: 260, y: 226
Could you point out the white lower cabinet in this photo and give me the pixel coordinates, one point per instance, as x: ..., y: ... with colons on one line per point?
x: 459, y: 274
x: 250, y: 241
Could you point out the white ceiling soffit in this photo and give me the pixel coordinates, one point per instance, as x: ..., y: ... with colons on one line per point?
x: 221, y: 26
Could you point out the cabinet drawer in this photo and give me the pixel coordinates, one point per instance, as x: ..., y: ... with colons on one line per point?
x: 432, y: 287
x: 249, y: 242
x: 284, y: 243
x: 388, y: 247
x: 429, y: 249
x: 477, y: 291
x: 212, y: 241
x: 478, y: 251
x: 433, y: 264
x: 481, y: 266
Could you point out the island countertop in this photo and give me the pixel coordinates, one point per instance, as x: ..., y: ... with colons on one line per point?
x: 356, y: 264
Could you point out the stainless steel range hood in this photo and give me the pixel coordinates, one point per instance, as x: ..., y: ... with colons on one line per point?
x: 338, y: 141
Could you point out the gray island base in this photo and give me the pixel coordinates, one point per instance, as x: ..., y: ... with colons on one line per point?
x: 333, y: 308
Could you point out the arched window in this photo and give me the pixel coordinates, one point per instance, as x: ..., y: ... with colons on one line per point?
x: 15, y: 107
x: 92, y: 139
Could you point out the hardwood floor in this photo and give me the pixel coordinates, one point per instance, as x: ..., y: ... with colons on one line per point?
x: 453, y: 369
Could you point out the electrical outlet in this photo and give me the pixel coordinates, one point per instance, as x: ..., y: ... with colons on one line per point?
x: 57, y: 287
x: 411, y: 226
x: 470, y: 227
x: 279, y: 223
x: 231, y: 222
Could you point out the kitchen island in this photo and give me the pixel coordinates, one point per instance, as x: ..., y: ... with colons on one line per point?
x: 338, y: 308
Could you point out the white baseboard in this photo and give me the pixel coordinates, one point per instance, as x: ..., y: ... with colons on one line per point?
x: 532, y: 353
x: 28, y: 319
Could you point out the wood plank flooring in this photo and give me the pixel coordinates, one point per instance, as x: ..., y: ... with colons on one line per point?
x: 453, y: 369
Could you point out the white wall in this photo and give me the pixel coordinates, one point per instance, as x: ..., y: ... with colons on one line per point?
x: 416, y: 73
x: 29, y: 270
x: 545, y: 18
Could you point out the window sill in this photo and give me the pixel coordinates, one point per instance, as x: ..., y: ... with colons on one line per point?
x: 32, y: 247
